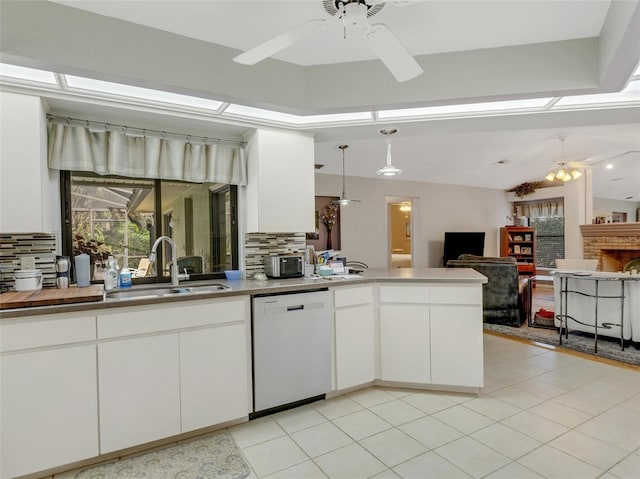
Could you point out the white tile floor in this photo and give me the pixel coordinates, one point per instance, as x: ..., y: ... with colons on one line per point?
x: 542, y: 413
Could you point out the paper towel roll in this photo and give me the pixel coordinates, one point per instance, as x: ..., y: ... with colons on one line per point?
x: 83, y: 270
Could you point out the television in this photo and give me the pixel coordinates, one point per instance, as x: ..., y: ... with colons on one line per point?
x: 457, y: 243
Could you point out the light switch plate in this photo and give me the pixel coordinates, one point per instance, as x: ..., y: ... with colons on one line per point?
x: 28, y: 262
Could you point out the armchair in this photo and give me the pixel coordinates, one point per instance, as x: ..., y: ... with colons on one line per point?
x: 501, y: 300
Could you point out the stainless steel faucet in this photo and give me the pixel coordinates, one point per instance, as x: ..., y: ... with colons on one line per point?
x: 175, y: 275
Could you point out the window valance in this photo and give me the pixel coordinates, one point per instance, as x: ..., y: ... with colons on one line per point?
x: 114, y: 152
x: 541, y: 208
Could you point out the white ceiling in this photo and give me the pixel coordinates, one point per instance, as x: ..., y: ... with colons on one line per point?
x: 471, y: 51
x: 424, y: 27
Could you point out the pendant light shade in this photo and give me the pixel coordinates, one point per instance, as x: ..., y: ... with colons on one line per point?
x: 388, y: 169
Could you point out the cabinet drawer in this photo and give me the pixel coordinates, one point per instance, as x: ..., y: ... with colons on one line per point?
x: 353, y: 296
x: 448, y: 294
x: 145, y: 319
x: 42, y: 331
x: 404, y: 293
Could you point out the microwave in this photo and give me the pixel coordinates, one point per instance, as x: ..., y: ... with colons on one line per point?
x: 284, y: 266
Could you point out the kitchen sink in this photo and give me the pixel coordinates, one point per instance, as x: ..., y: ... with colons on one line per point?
x: 124, y: 294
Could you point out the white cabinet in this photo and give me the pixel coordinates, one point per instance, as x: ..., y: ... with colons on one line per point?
x: 431, y: 334
x: 171, y: 369
x: 23, y: 129
x: 48, y: 395
x: 355, y: 336
x: 404, y: 333
x: 404, y: 343
x: 280, y: 188
x: 213, y: 376
x: 456, y: 346
x: 139, y: 391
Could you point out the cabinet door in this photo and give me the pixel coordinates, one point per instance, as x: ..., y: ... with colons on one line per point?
x: 274, y: 155
x: 49, y: 409
x: 214, y: 376
x: 456, y: 345
x: 404, y: 343
x: 139, y: 391
x: 355, y: 346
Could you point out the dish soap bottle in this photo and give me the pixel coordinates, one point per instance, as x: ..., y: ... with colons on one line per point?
x: 125, y: 278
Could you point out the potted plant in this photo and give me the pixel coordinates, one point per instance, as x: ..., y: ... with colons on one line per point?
x: 98, y: 253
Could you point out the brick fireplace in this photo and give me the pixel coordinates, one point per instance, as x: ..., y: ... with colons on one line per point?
x: 612, y: 244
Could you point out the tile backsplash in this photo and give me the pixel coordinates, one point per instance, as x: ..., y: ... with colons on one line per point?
x: 259, y: 245
x: 14, y: 246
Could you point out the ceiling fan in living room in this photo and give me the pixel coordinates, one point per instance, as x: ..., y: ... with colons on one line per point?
x: 565, y: 170
x: 354, y: 15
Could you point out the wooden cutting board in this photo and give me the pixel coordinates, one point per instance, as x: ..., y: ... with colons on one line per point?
x: 50, y: 296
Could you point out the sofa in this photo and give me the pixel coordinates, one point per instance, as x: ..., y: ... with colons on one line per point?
x: 501, y: 295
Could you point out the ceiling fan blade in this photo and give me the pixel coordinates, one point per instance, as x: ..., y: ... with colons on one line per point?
x: 392, y: 53
x: 282, y: 41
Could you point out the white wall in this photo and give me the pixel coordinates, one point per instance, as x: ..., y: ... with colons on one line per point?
x: 29, y: 191
x: 605, y: 206
x: 436, y: 209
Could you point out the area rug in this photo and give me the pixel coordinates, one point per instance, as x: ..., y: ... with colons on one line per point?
x: 578, y: 341
x: 212, y: 457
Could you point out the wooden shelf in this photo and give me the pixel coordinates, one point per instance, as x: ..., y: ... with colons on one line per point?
x: 515, y: 239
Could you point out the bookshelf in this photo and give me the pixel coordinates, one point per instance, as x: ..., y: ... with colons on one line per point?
x: 519, y: 242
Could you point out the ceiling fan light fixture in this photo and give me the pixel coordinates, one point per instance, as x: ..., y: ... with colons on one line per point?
x: 575, y: 174
x: 561, y: 174
x: 389, y: 169
x: 551, y: 176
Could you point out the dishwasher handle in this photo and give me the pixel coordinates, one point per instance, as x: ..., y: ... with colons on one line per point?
x: 295, y: 308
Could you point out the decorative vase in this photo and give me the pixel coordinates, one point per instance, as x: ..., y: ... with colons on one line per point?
x: 329, y: 242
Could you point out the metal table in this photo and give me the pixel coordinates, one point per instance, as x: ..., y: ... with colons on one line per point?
x: 529, y: 314
x: 566, y: 291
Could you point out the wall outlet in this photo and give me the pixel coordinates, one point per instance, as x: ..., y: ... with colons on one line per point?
x: 28, y: 262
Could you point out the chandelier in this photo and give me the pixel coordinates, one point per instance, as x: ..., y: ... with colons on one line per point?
x: 563, y: 172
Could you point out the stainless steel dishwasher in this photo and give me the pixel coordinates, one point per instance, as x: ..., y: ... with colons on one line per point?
x: 291, y: 350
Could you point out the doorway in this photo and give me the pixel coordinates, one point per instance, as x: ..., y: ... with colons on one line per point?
x: 400, y: 232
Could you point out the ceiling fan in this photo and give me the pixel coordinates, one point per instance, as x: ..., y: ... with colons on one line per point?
x: 566, y: 170
x: 343, y: 200
x: 354, y: 15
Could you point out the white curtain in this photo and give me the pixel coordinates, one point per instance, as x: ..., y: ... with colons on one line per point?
x: 112, y: 152
x: 542, y: 208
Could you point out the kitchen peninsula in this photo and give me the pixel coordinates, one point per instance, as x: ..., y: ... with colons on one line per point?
x: 90, y: 381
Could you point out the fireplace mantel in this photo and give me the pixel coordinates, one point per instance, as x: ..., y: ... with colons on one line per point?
x: 611, y: 229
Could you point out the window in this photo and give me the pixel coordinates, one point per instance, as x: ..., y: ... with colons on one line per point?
x: 547, y: 217
x: 124, y: 216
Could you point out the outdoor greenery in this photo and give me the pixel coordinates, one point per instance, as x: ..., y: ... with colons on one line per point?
x: 549, y: 240
x: 108, y: 235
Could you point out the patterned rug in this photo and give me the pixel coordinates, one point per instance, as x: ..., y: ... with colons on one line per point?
x: 212, y: 457
x: 578, y: 341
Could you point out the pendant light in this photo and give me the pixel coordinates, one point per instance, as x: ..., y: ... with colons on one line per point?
x: 564, y: 172
x: 343, y: 201
x: 388, y: 169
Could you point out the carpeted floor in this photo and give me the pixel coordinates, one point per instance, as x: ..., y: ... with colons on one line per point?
x: 212, y: 457
x: 578, y: 341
